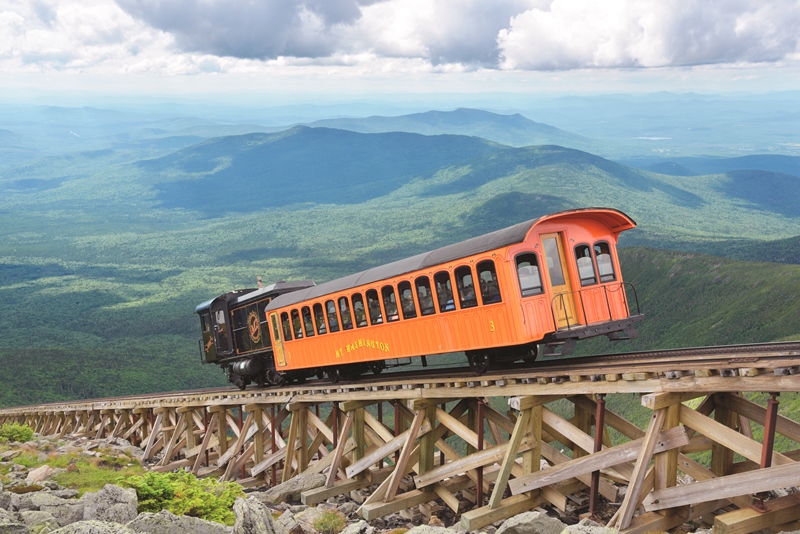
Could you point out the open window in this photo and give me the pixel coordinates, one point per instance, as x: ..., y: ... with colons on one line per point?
x: 465, y: 283
x: 374, y: 307
x: 287, y: 327
x: 407, y: 300
x: 333, y: 320
x: 424, y: 295
x: 297, y: 327
x: 444, y: 291
x: 487, y: 278
x: 319, y: 317
x: 390, y: 303
x: 344, y: 311
x: 308, y: 323
x: 359, y: 311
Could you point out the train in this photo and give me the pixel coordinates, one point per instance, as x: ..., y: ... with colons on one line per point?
x: 501, y: 299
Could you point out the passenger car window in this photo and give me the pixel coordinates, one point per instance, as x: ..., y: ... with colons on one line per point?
x: 333, y: 321
x: 466, y: 287
x: 583, y: 257
x: 407, y: 300
x: 287, y: 327
x: 359, y: 311
x: 307, y: 322
x: 444, y: 291
x: 602, y: 253
x: 487, y: 278
x: 344, y: 311
x: 374, y: 307
x: 530, y: 281
x: 390, y: 303
x: 319, y: 317
x: 424, y: 295
x: 296, y: 326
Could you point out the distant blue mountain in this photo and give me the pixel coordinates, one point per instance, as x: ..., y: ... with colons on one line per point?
x: 512, y: 130
x: 328, y: 166
x: 696, y: 166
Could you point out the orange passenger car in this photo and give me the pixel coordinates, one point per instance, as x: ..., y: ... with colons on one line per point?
x: 549, y: 281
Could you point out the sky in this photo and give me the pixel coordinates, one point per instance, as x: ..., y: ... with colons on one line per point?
x: 346, y: 48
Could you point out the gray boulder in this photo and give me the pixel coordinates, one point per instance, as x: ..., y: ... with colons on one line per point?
x: 362, y: 527
x: 94, y: 527
x: 5, y: 500
x: 165, y: 522
x: 252, y: 517
x: 45, y: 498
x: 428, y: 529
x: 587, y: 526
x: 290, y: 491
x: 531, y: 523
x: 39, y: 522
x: 13, y: 527
x: 66, y: 513
x: 112, y: 503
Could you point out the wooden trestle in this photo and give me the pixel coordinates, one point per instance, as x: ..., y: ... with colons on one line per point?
x: 462, y: 442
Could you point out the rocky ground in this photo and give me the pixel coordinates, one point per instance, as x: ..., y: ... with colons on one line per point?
x: 52, y: 509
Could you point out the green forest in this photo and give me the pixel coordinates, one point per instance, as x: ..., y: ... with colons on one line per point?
x: 107, y: 249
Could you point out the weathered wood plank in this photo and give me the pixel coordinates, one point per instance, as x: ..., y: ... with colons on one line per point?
x: 746, y: 520
x: 780, y: 476
x: 625, y: 452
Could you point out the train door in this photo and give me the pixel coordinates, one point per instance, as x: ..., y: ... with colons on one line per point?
x: 277, y: 341
x: 563, y: 303
x: 219, y: 320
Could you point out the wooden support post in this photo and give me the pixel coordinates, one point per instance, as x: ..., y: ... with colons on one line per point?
x: 769, y: 431
x: 339, y: 450
x: 520, y: 429
x: 359, y: 437
x: 721, y: 456
x: 599, y: 427
x: 649, y: 443
x: 405, y: 454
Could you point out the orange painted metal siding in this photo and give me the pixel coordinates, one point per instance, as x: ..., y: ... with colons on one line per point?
x: 514, y: 321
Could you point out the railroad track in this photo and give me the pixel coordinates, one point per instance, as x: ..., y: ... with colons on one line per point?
x: 767, y: 366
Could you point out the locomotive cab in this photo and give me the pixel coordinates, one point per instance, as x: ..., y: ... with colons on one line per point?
x: 235, y: 334
x: 217, y: 343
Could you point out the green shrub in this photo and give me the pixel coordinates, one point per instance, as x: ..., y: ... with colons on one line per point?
x: 184, y: 494
x: 15, y: 432
x: 330, y: 522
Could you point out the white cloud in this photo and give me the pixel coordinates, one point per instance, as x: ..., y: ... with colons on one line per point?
x: 374, y: 37
x: 573, y: 34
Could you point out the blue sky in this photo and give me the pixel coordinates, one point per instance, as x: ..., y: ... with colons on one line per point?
x: 295, y: 49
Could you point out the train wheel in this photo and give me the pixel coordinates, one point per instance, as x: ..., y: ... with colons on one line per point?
x: 531, y: 354
x: 376, y: 367
x: 334, y: 375
x: 479, y: 362
x: 276, y: 378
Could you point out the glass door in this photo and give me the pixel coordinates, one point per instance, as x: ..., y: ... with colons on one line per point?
x: 558, y: 281
x: 277, y: 341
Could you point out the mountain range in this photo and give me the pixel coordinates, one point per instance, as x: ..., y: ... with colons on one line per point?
x: 115, y: 225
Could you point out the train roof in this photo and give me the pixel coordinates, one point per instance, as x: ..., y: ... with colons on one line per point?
x: 240, y: 296
x: 615, y: 219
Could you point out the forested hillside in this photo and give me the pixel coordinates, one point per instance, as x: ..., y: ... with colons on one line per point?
x: 105, y: 253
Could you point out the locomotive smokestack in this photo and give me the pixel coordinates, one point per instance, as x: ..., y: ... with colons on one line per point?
x: 260, y: 283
